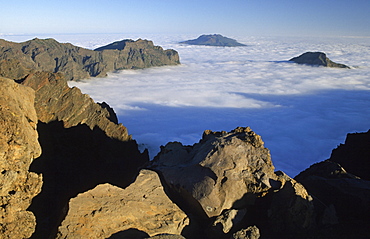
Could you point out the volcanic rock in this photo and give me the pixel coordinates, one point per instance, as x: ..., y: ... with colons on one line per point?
x: 354, y: 154
x: 107, y: 209
x: 213, y: 40
x: 77, y: 62
x: 18, y: 148
x: 222, y: 171
x: 316, y: 59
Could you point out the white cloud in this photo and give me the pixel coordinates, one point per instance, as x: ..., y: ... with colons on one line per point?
x: 301, y: 112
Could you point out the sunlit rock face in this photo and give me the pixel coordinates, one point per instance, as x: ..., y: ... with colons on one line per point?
x: 222, y: 171
x: 107, y: 210
x: 316, y: 59
x: 18, y: 148
x: 20, y: 59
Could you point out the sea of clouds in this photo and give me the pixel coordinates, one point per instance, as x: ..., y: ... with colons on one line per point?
x: 301, y: 112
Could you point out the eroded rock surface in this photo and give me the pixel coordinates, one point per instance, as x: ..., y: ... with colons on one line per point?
x: 18, y: 148
x: 107, y: 209
x: 222, y: 171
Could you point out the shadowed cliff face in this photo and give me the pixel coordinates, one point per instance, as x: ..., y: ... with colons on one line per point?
x: 316, y: 59
x: 82, y: 146
x: 73, y: 161
x: 19, y: 59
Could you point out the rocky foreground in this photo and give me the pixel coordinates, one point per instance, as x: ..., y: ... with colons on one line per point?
x: 96, y: 184
x: 69, y: 170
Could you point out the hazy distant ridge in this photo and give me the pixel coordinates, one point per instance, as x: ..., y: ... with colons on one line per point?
x: 213, y: 40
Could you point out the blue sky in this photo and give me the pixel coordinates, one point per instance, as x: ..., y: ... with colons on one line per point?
x: 233, y: 17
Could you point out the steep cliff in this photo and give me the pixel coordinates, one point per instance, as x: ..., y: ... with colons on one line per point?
x: 18, y: 148
x: 20, y: 59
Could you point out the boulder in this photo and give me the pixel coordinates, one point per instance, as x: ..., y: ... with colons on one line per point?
x: 77, y: 62
x: 222, y: 171
x: 354, y: 154
x: 18, y: 148
x: 316, y: 59
x: 213, y: 40
x: 107, y: 209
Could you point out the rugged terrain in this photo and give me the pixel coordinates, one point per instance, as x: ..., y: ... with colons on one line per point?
x: 20, y: 59
x: 213, y: 40
x: 70, y: 170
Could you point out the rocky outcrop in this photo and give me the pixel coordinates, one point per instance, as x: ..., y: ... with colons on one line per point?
x: 106, y: 210
x: 56, y: 101
x: 213, y: 40
x: 222, y: 171
x: 18, y: 148
x: 316, y: 59
x: 228, y: 181
x: 20, y: 59
x: 342, y: 200
x: 354, y: 154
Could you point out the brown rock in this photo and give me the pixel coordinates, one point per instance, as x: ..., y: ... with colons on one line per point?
x: 107, y: 209
x: 56, y: 101
x: 18, y: 148
x: 222, y: 171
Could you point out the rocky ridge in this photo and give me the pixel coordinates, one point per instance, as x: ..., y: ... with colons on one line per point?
x: 17, y: 60
x: 316, y: 59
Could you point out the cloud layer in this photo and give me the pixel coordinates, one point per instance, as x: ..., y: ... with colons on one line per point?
x: 301, y: 112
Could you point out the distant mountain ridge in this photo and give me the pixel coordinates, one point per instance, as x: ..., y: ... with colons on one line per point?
x: 213, y: 40
x: 20, y: 59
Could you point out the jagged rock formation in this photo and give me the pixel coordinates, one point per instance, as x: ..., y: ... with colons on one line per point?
x: 228, y: 181
x: 18, y: 148
x: 106, y: 210
x: 316, y: 59
x: 221, y: 171
x: 213, y: 40
x: 251, y: 232
x: 354, y: 154
x: 20, y: 59
x: 343, y: 200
